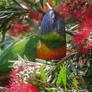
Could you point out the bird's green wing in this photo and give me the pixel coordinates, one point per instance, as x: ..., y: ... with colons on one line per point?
x: 26, y: 47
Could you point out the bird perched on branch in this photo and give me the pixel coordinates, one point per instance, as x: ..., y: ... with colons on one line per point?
x: 49, y: 43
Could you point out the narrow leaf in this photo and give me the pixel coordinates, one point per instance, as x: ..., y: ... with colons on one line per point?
x: 64, y: 75
x: 59, y: 78
x: 75, y: 83
x: 20, y: 21
x: 43, y: 74
x: 41, y: 1
x: 1, y: 3
x: 83, y: 82
x: 48, y: 89
x: 54, y: 2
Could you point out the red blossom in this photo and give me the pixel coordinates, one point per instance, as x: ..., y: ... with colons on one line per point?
x: 79, y: 81
x: 77, y: 39
x: 17, y: 85
x: 90, y: 43
x: 43, y: 9
x: 82, y: 48
x: 78, y: 1
x: 22, y: 88
x: 83, y: 13
x: 50, y: 2
x: 20, y: 28
x: 36, y: 16
x: 79, y: 14
x: 16, y: 29
x: 80, y: 38
x: 64, y: 10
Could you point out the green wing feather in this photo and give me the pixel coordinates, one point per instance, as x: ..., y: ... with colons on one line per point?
x: 26, y: 47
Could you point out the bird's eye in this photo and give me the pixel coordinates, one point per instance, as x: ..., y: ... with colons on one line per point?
x: 53, y: 16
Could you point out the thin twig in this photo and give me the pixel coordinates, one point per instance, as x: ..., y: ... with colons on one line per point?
x: 70, y: 33
x: 66, y: 57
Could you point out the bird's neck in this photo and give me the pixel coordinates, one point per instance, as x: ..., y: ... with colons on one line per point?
x: 52, y: 40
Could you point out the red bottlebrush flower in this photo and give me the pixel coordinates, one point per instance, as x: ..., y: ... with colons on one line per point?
x: 22, y: 88
x: 83, y: 32
x: 17, y: 85
x: 83, y: 13
x: 81, y: 48
x: 79, y: 14
x: 50, y: 2
x: 43, y: 9
x: 72, y: 1
x: 77, y: 39
x: 20, y: 28
x: 36, y: 16
x: 78, y: 1
x: 82, y: 61
x: 79, y: 81
x: 90, y: 43
x: 64, y: 10
x: 16, y: 29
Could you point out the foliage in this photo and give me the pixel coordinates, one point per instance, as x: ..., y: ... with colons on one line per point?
x: 18, y: 18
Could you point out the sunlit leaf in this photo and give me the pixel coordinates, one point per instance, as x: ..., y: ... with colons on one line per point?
x: 75, y: 83
x: 43, y: 74
x: 61, y: 76
x: 83, y: 82
x: 54, y: 2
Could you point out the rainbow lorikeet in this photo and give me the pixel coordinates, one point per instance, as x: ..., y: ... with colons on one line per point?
x: 49, y: 43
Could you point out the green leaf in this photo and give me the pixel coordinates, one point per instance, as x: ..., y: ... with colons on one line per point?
x: 53, y: 91
x: 45, y: 3
x: 41, y: 1
x: 48, y: 89
x: 64, y: 75
x: 43, y: 74
x: 83, y: 82
x: 32, y: 24
x: 61, y: 76
x: 1, y: 3
x: 75, y: 83
x: 54, y: 2
x: 20, y: 21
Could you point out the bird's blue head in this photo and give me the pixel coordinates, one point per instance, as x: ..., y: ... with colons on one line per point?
x: 52, y: 21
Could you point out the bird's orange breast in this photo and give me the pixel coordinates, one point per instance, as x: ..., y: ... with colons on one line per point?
x: 43, y: 52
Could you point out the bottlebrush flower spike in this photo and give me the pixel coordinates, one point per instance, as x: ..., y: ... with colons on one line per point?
x: 81, y: 48
x: 80, y: 38
x: 36, y: 16
x: 90, y: 43
x: 64, y: 10
x: 18, y: 85
x: 22, y: 88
